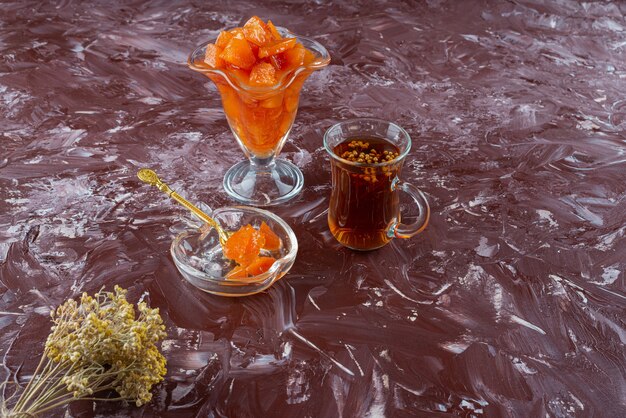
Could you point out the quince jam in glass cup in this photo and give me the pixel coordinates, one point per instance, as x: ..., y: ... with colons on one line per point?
x: 259, y: 70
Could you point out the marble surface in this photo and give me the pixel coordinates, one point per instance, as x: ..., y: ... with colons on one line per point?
x: 510, y: 304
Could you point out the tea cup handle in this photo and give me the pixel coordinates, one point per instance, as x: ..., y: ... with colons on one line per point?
x: 401, y: 230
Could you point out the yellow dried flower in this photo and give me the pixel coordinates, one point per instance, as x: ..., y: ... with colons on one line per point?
x: 96, y: 345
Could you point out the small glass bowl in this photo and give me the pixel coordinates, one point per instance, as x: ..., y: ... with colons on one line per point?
x: 198, y: 256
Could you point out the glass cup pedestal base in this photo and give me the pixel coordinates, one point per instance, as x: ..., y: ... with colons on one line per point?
x: 267, y: 184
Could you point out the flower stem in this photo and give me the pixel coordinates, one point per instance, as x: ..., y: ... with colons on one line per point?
x: 41, y: 361
x: 42, y: 386
x: 51, y: 394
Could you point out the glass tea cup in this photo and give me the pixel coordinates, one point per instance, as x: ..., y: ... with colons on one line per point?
x: 364, y: 211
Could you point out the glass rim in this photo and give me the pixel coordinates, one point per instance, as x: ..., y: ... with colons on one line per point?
x: 403, y: 153
x: 284, y: 82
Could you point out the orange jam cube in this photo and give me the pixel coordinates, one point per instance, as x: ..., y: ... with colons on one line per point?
x: 273, y: 101
x: 237, y: 33
x: 273, y: 31
x: 238, y: 272
x: 244, y: 245
x: 239, y: 75
x: 260, y: 265
x: 212, y: 56
x: 278, y: 61
x: 294, y: 58
x: 256, y: 31
x: 238, y: 53
x: 255, y: 49
x: 223, y: 38
x: 309, y: 57
x: 272, y: 241
x: 277, y: 47
x: 263, y: 74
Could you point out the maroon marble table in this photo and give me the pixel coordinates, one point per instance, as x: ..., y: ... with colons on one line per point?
x: 510, y: 304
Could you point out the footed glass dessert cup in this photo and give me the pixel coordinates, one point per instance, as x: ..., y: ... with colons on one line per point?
x: 261, y: 118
